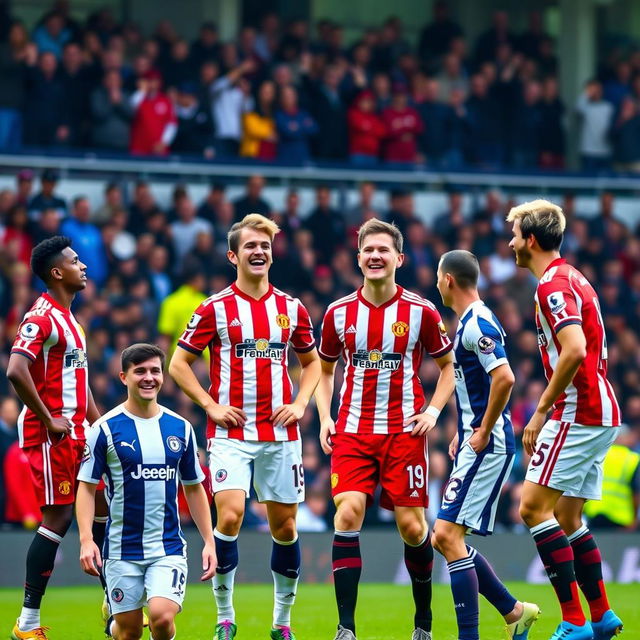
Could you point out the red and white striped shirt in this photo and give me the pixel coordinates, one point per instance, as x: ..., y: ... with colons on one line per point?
x: 564, y: 297
x: 248, y: 340
x: 51, y: 337
x: 382, y: 348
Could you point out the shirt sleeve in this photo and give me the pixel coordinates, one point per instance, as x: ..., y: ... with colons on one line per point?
x: 433, y: 334
x: 200, y: 330
x: 189, y: 467
x: 302, y: 338
x: 486, y: 340
x: 558, y: 304
x: 94, y: 456
x: 330, y: 343
x: 31, y: 336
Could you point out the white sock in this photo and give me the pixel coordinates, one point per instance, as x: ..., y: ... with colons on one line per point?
x: 284, y: 597
x: 29, y: 619
x: 223, y: 593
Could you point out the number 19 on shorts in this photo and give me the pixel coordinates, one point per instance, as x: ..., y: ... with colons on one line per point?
x: 416, y: 476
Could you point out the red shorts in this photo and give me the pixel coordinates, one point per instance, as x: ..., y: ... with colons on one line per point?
x: 54, y: 469
x: 398, y: 462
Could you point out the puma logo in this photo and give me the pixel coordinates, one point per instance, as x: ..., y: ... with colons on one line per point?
x: 127, y: 444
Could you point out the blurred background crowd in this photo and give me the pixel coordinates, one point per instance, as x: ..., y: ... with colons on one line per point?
x: 150, y: 265
x: 292, y: 92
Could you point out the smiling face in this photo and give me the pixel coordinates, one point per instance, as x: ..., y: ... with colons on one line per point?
x: 254, y: 257
x: 378, y: 258
x: 143, y: 380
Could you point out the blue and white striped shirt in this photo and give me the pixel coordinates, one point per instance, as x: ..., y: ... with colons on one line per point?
x: 141, y: 461
x: 479, y: 347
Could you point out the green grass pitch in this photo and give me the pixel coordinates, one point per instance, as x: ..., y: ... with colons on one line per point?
x: 384, y: 612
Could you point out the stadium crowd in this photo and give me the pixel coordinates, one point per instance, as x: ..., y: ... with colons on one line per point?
x: 291, y: 93
x: 149, y: 267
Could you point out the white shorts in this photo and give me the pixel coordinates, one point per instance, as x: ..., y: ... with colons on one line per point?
x: 569, y: 457
x: 278, y: 475
x: 132, y: 583
x: 471, y: 496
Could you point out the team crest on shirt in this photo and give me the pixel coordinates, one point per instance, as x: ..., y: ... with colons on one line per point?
x: 486, y: 345
x: 117, y: 595
x: 76, y: 358
x: 399, y: 329
x: 260, y: 348
x: 193, y: 321
x: 556, y: 302
x: 375, y: 359
x: 174, y: 443
x: 221, y: 475
x: 64, y: 488
x: 29, y: 330
x: 283, y: 321
x: 334, y: 480
x: 442, y: 328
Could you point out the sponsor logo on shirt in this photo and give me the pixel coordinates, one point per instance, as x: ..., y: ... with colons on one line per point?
x: 375, y: 359
x: 154, y: 472
x: 556, y: 302
x: 235, y: 323
x: 283, y: 321
x: 350, y: 330
x: 260, y: 348
x: 399, y: 329
x: 76, y: 359
x: 486, y: 345
x: 542, y: 339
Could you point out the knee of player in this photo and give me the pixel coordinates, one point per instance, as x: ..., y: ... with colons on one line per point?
x: 528, y: 512
x: 412, y: 531
x: 129, y: 633
x: 285, y: 531
x: 229, y: 521
x: 162, y: 621
x: 58, y: 518
x: 439, y: 540
x: 348, y: 517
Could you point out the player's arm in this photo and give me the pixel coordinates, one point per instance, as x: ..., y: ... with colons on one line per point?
x: 323, y: 395
x: 92, y: 409
x: 180, y: 369
x: 502, y: 381
x: 19, y: 374
x: 199, y: 509
x: 572, y: 354
x: 309, y: 376
x: 445, y: 386
x: 85, y: 511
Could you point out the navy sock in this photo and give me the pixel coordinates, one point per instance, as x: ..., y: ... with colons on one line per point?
x: 464, y: 587
x: 227, y: 553
x: 419, y: 563
x: 347, y: 567
x: 490, y: 585
x: 285, y: 569
x: 285, y: 559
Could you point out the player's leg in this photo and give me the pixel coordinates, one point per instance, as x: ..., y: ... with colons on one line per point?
x: 162, y: 616
x: 125, y: 584
x: 279, y: 483
x: 125, y: 626
x: 285, y: 564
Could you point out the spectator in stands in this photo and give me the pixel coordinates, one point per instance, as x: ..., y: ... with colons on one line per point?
x: 381, y: 86
x: 625, y: 136
x: 436, y: 37
x: 112, y: 203
x: 186, y: 228
x: 259, y: 137
x: 230, y: 98
x: 52, y: 34
x: 87, y: 240
x: 209, y: 208
x: 206, y: 48
x: 111, y: 113
x: 46, y: 116
x: 618, y: 88
x: 403, y: 126
x: 46, y: 198
x: 529, y: 43
x: 436, y: 141
x: 326, y: 225
x: 498, y: 34
x: 178, y: 67
x: 15, y: 238
x: 364, y: 208
x: 252, y: 201
x: 157, y: 273
x: 195, y: 127
x: 289, y: 219
x: 46, y: 226
x: 154, y: 124
x: 552, y: 131
x: 142, y: 208
x: 24, y: 185
x: 401, y: 211
x: 526, y: 128
x: 366, y: 131
x: 485, y: 131
x: 452, y: 77
x: 75, y: 80
x: 596, y: 116
x: 294, y: 127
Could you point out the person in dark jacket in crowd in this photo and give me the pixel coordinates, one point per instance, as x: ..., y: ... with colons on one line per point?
x: 327, y: 226
x: 552, y: 132
x: 526, y: 126
x: 195, y: 126
x: 625, y: 135
x: 294, y: 127
x: 111, y: 114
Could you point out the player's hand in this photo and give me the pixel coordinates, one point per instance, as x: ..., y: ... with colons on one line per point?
x: 90, y: 558
x: 60, y: 425
x: 287, y: 414
x: 453, y: 447
x: 225, y: 416
x: 209, y: 561
x: 423, y: 423
x: 327, y: 429
x: 479, y: 440
x: 532, y: 430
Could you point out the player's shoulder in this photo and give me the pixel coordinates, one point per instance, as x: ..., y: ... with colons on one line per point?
x: 108, y: 420
x: 416, y: 299
x: 172, y: 415
x: 41, y: 308
x: 343, y: 302
x: 283, y: 294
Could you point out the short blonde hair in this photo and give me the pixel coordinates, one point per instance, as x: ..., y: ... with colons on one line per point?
x: 251, y: 221
x: 372, y: 226
x: 542, y: 219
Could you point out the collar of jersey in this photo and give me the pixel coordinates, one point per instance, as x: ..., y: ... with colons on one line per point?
x: 55, y: 303
x: 384, y: 305
x: 555, y: 263
x: 135, y: 417
x: 246, y: 296
x: 475, y: 303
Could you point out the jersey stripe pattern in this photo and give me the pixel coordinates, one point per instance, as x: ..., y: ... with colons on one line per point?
x: 248, y: 340
x: 382, y: 348
x: 141, y: 461
x: 51, y: 337
x: 479, y: 348
x: 564, y: 297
